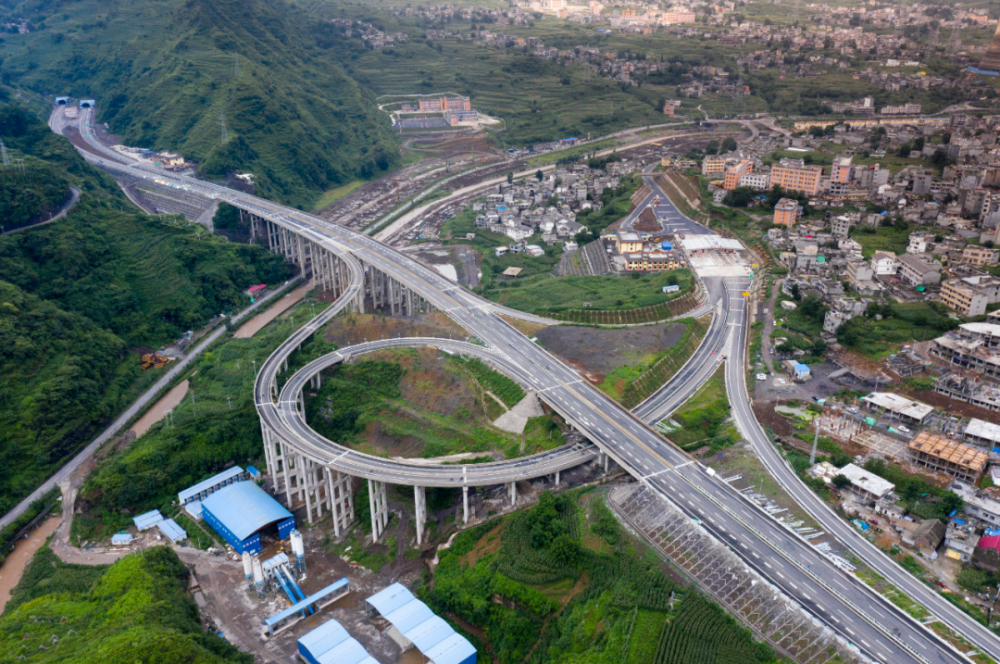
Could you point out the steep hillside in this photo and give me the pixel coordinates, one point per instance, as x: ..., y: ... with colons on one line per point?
x: 133, y: 611
x: 77, y: 293
x: 164, y: 71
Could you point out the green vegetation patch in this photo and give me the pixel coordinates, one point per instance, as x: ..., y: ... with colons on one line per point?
x: 702, y: 418
x: 78, y: 294
x: 539, y: 595
x: 902, y: 323
x: 215, y: 425
x: 118, y: 613
x: 543, y: 294
x: 163, y: 73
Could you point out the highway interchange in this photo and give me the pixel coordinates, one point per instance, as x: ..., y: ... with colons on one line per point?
x: 840, y: 600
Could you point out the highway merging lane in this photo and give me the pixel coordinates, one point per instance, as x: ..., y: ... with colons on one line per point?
x: 840, y: 600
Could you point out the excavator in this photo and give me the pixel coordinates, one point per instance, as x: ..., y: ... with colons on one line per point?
x: 155, y: 361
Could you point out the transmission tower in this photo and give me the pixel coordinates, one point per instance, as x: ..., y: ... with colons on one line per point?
x: 225, y: 135
x: 503, y: 47
x: 237, y: 65
x: 3, y: 154
x: 955, y: 41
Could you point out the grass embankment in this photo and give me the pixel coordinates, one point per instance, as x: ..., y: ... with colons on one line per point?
x: 79, y: 297
x: 335, y: 194
x: 563, y: 582
x: 421, y: 404
x: 600, y: 294
x: 134, y: 610
x: 216, y: 424
x: 703, y: 418
x: 630, y: 385
x: 571, y: 154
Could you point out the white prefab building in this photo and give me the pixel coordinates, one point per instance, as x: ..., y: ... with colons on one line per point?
x: 904, y: 409
x: 982, y: 433
x: 867, y: 486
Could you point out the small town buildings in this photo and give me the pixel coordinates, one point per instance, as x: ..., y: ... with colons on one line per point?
x: 982, y: 433
x: 734, y: 172
x: 899, y: 408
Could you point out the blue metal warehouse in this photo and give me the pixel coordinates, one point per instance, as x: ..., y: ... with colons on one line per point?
x: 417, y: 624
x: 240, y: 511
x: 331, y: 644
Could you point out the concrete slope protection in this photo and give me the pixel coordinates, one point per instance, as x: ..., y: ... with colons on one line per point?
x: 846, y: 605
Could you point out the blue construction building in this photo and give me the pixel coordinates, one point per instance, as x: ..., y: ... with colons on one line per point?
x: 240, y: 511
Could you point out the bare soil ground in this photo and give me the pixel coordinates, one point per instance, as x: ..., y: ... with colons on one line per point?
x: 255, y: 324
x: 13, y: 566
x: 349, y: 329
x: 601, y: 351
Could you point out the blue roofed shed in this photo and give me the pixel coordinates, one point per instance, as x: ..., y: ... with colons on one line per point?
x: 147, y: 520
x: 331, y: 644
x: 416, y: 623
x: 801, y: 371
x: 240, y: 511
x: 170, y: 528
x: 205, y: 488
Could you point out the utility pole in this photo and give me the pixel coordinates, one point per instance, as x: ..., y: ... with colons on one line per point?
x: 812, y: 456
x: 225, y: 135
x: 3, y: 154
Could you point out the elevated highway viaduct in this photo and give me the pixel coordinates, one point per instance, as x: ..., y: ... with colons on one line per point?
x: 358, y: 268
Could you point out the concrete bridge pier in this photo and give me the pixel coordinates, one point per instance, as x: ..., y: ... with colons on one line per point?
x: 513, y: 494
x: 557, y: 478
x: 341, y: 499
x: 312, y: 480
x: 379, y: 506
x: 420, y: 502
x: 465, y: 504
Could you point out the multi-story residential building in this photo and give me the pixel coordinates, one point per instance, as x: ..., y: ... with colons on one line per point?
x: 786, y: 212
x: 859, y: 271
x: 920, y: 243
x: 884, y: 263
x: 756, y: 181
x: 963, y: 298
x: 918, y: 271
x: 841, y: 225
x: 794, y: 175
x: 735, y: 170
x: 627, y: 242
x: 841, y: 171
x: 713, y: 164
x: 980, y: 256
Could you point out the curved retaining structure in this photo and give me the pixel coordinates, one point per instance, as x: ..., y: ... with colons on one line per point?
x: 289, y: 410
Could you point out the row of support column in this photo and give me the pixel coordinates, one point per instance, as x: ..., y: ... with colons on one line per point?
x: 379, y: 506
x: 397, y: 297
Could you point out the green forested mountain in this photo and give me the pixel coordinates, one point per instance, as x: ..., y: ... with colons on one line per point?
x: 77, y: 293
x: 135, y: 610
x: 164, y: 71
